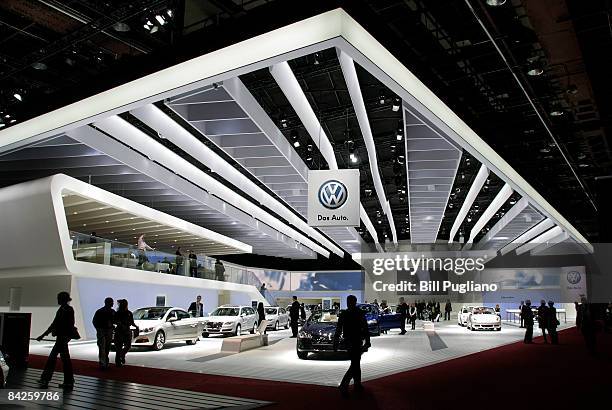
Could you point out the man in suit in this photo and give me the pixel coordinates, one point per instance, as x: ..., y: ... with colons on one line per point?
x: 552, y: 323
x: 527, y: 317
x: 412, y: 315
x: 448, y: 308
x: 196, y: 308
x: 193, y: 264
x: 352, y: 325
x: 402, y: 309
x: 103, y: 323
x: 521, y: 313
x: 543, y: 318
x: 294, y: 315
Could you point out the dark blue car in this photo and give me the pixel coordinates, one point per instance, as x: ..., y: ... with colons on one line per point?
x: 378, y: 321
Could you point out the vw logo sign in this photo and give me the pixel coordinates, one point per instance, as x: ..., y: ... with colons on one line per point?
x: 573, y: 277
x: 333, y: 194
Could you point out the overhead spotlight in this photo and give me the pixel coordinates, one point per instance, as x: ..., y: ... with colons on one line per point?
x: 296, y: 144
x: 154, y: 30
x: 121, y: 27
x: 348, y: 137
x: 557, y: 112
x: 39, y: 66
x: 309, y: 158
x: 309, y: 147
x: 13, y: 121
x: 160, y: 19
x: 535, y: 67
x: 282, y: 121
x: 396, y: 104
x: 18, y: 96
x: 295, y: 137
x: 400, y: 131
x: 316, y: 59
x: 381, y: 97
x: 2, y: 125
x: 495, y: 3
x: 353, y: 157
x: 170, y: 12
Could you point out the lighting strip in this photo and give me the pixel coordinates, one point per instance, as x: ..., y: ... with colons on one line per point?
x: 173, y: 132
x: 528, y: 235
x: 501, y: 197
x: 542, y: 239
x: 352, y: 82
x: 289, y: 85
x: 138, y: 140
x: 479, y: 181
x: 505, y: 220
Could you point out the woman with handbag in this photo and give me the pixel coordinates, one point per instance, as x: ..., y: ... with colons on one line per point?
x: 123, y: 332
x: 63, y: 329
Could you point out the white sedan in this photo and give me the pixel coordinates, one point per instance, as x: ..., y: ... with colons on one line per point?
x: 464, y: 315
x: 159, y: 325
x: 484, y: 318
x: 277, y: 317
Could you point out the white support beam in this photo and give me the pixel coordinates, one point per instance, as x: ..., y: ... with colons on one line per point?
x: 541, y: 239
x: 527, y: 236
x: 563, y: 236
x: 505, y: 220
x: 173, y: 132
x: 479, y: 181
x: 352, y: 82
x: 133, y: 137
x: 499, y: 200
x: 289, y: 85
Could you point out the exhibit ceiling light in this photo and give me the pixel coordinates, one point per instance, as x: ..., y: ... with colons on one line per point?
x: 197, y: 128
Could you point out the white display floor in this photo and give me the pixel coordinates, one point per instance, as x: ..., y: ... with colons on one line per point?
x: 390, y: 353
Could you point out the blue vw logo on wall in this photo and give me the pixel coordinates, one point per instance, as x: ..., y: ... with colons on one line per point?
x: 573, y: 277
x: 333, y: 194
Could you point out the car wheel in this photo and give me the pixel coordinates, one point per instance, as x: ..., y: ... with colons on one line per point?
x: 378, y: 331
x: 472, y: 328
x: 237, y: 332
x: 254, y: 328
x: 276, y: 325
x: 499, y: 329
x: 205, y: 334
x: 192, y: 342
x: 302, y: 355
x: 159, y: 341
x: 287, y: 325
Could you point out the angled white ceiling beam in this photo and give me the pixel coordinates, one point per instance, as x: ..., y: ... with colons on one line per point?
x: 563, y: 236
x: 546, y: 237
x: 169, y: 129
x: 352, y: 82
x: 505, y: 220
x: 499, y: 200
x: 289, y: 85
x: 479, y: 181
x: 133, y: 137
x: 543, y: 226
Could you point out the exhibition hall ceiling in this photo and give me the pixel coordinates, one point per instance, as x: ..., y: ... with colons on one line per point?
x: 442, y: 43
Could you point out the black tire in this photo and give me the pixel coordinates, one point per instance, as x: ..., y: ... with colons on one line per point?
x: 238, y: 331
x: 254, y: 328
x: 204, y: 334
x: 276, y: 326
x: 287, y: 325
x: 191, y: 342
x: 159, y: 341
x: 302, y: 355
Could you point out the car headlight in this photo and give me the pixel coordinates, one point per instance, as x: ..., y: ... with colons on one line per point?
x: 372, y: 322
x: 146, y: 330
x: 304, y: 335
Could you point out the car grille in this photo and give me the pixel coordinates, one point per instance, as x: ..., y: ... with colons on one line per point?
x: 215, y: 325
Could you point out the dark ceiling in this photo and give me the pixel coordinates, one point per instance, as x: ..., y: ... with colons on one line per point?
x: 56, y: 52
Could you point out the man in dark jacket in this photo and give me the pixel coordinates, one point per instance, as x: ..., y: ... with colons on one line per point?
x: 543, y: 318
x: 196, y: 308
x: 527, y: 316
x: 402, y: 309
x: 353, y: 327
x: 103, y: 322
x: 193, y: 265
x: 63, y: 329
x: 294, y: 315
x: 552, y: 323
x: 448, y: 308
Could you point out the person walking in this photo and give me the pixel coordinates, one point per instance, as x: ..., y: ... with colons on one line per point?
x: 585, y: 321
x: 196, y: 308
x: 412, y: 315
x: 261, y: 314
x: 124, y: 320
x: 219, y: 270
x: 521, y: 313
x: 294, y: 316
x: 193, y: 264
x: 178, y: 260
x: 142, y: 250
x: 527, y: 318
x: 543, y: 318
x: 262, y: 290
x: 448, y: 308
x: 552, y: 323
x: 352, y: 325
x: 402, y: 309
x: 103, y: 323
x: 63, y: 329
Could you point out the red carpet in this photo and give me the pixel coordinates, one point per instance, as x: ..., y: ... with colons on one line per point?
x: 515, y: 376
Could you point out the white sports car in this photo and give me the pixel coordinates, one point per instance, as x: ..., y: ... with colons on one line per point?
x: 463, y: 315
x: 484, y: 318
x: 159, y: 325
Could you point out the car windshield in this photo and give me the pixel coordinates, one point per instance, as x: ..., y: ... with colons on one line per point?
x: 225, y: 311
x: 324, y: 316
x: 367, y: 308
x: 272, y: 311
x: 152, y: 313
x: 483, y: 311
